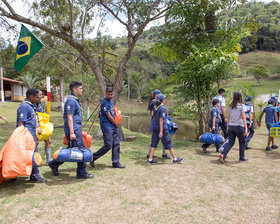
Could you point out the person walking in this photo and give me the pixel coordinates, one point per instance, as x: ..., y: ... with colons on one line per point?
x: 109, y: 129
x: 160, y: 131
x: 73, y: 129
x: 249, y: 119
x: 151, y: 108
x: 26, y: 116
x: 270, y: 119
x: 222, y: 111
x: 237, y: 127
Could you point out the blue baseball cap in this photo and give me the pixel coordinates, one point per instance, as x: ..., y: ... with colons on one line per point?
x: 271, y: 101
x: 248, y: 98
x: 156, y: 92
x: 160, y: 97
x: 273, y: 98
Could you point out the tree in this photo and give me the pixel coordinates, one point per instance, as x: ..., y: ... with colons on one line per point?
x: 206, y: 51
x: 259, y: 72
x: 71, y: 21
x: 29, y: 80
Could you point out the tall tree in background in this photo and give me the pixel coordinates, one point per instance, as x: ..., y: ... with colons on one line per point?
x: 72, y: 21
x: 205, y: 49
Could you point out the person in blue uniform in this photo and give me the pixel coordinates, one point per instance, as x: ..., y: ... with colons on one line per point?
x: 109, y: 129
x: 270, y: 119
x: 72, y: 117
x: 39, y: 108
x: 214, y: 123
x: 249, y: 119
x: 26, y: 116
x: 151, y: 108
x: 222, y: 111
x: 160, y: 131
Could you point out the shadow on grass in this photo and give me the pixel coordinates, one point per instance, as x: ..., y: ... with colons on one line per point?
x: 211, y: 153
x: 273, y: 154
x: 227, y: 163
x: 11, y: 187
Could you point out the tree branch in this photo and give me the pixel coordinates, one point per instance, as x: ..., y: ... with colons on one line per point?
x: 71, y: 18
x: 57, y: 16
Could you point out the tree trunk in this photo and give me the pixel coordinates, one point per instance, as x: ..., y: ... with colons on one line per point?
x: 128, y: 85
x: 62, y: 92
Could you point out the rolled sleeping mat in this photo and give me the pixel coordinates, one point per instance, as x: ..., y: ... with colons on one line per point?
x: 36, y: 159
x: 210, y: 138
x: 277, y: 125
x: 72, y: 155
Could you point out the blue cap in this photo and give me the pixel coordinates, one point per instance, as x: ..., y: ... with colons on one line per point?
x: 271, y: 101
x: 160, y: 97
x: 273, y: 98
x: 248, y: 98
x: 156, y: 92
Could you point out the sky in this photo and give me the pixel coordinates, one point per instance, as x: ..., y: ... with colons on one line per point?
x: 112, y: 27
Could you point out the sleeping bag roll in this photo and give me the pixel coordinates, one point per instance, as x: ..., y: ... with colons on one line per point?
x: 210, y: 138
x: 72, y: 155
x: 36, y: 159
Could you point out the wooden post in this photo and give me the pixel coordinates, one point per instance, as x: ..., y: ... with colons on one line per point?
x: 2, y: 81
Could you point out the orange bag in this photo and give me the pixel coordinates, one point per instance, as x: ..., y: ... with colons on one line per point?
x: 16, y: 155
x: 118, y: 115
x: 86, y: 137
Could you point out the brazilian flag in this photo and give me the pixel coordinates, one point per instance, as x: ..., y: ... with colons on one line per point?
x: 28, y: 45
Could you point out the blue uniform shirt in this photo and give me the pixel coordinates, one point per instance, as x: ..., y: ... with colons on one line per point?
x: 153, y: 105
x: 106, y: 106
x: 72, y: 106
x: 269, y: 111
x: 38, y: 108
x: 26, y: 114
x: 160, y: 112
x: 214, y: 113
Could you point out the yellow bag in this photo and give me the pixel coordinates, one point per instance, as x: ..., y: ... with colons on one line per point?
x: 46, y: 126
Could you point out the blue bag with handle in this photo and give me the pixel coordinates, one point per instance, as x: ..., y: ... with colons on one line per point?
x: 172, y: 127
x: 210, y: 138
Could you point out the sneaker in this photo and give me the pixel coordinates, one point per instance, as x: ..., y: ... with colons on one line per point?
x: 166, y: 156
x: 204, y: 148
x: 268, y: 149
x: 274, y: 146
x: 54, y: 169
x: 151, y: 162
x: 118, y: 166
x: 221, y: 158
x: 177, y: 160
x: 85, y: 176
x: 39, y: 180
x: 243, y: 160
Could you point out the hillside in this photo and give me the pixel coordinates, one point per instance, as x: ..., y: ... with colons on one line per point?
x: 271, y: 60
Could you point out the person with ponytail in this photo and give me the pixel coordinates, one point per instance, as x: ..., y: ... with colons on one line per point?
x: 151, y: 108
x: 236, y: 127
x: 160, y: 131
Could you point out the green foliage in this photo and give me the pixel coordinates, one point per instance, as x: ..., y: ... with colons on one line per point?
x: 259, y: 72
x: 29, y: 80
x: 245, y: 88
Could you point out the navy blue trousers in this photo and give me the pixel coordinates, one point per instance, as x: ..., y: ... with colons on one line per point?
x: 233, y: 132
x: 251, y: 133
x: 223, y: 126
x: 111, y: 141
x: 79, y: 142
x: 35, y: 175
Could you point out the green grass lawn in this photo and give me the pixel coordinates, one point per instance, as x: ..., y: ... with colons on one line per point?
x: 270, y: 60
x: 200, y: 190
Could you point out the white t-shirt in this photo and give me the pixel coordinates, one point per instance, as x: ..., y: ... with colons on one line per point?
x: 235, y: 115
x: 222, y: 102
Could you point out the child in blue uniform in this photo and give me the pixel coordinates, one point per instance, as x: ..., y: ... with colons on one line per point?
x: 249, y: 119
x: 109, y: 129
x: 151, y: 108
x: 214, y: 122
x: 26, y: 116
x: 39, y: 108
x: 160, y: 131
x: 270, y: 119
x: 73, y: 129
